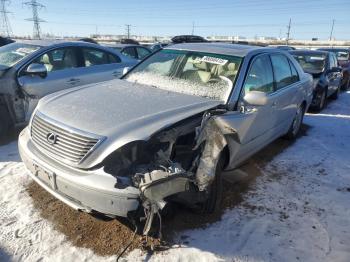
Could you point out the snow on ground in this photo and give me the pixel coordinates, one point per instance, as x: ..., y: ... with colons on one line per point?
x: 299, y: 209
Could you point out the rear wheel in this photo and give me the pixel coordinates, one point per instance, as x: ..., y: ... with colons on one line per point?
x: 321, y: 98
x: 4, y: 121
x: 335, y: 95
x: 296, y: 124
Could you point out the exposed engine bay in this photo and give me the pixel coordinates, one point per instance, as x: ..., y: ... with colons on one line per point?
x: 177, y: 164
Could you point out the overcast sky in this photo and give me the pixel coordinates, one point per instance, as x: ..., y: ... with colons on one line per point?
x: 250, y: 18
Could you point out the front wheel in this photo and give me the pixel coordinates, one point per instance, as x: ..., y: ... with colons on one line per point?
x: 296, y: 124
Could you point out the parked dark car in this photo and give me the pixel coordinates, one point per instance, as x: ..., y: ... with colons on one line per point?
x: 188, y: 39
x: 285, y: 47
x: 128, y: 41
x: 343, y: 56
x: 323, y: 66
x: 137, y: 52
x: 88, y: 40
x: 5, y: 41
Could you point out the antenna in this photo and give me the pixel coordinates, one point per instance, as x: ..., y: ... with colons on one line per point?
x: 5, y: 27
x: 35, y: 7
x: 128, y: 31
x: 288, y: 32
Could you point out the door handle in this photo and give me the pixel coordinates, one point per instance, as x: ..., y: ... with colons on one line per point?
x: 73, y: 81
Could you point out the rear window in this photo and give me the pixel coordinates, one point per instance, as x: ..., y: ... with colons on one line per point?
x: 311, y: 63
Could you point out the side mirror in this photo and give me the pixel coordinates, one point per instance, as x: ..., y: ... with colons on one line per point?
x: 125, y: 70
x: 36, y: 69
x: 256, y: 98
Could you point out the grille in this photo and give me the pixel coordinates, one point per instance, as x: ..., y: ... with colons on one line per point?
x: 64, y: 144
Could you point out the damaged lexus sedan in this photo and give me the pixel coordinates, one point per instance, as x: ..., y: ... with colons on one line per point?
x: 166, y: 130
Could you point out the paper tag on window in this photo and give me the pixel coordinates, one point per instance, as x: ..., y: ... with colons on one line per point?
x: 213, y: 60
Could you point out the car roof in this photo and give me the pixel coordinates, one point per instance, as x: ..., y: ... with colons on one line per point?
x: 306, y: 52
x: 46, y: 43
x: 120, y: 45
x: 217, y: 48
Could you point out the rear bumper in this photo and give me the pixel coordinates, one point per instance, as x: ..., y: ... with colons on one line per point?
x: 82, y: 190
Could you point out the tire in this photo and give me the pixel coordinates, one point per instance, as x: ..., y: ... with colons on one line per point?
x: 335, y: 95
x: 214, y: 199
x: 347, y: 85
x: 296, y: 124
x: 322, y: 101
x: 4, y: 121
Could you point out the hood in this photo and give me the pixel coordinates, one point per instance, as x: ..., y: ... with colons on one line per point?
x: 121, y: 111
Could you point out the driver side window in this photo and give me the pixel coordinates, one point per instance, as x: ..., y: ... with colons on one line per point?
x: 260, y: 76
x: 58, y: 59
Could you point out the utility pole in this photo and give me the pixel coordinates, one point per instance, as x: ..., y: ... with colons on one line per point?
x: 128, y: 31
x: 331, y: 35
x: 193, y: 28
x: 5, y: 24
x: 288, y: 32
x: 35, y: 6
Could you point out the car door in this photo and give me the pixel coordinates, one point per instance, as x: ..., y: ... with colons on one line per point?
x: 63, y: 71
x: 255, y: 124
x: 334, y: 77
x: 287, y: 94
x: 99, y: 65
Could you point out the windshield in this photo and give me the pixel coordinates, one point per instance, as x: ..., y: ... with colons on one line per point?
x: 311, y: 63
x: 13, y: 53
x: 193, y: 73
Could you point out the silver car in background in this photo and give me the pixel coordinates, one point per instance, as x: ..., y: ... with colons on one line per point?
x: 137, y: 52
x: 166, y: 130
x: 30, y: 70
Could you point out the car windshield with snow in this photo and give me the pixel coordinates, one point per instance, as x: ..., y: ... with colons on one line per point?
x: 166, y: 130
x: 193, y: 73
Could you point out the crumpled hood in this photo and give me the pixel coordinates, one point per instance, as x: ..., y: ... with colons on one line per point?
x: 121, y: 111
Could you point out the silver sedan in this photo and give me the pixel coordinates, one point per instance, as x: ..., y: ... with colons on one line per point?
x: 30, y: 70
x: 166, y: 130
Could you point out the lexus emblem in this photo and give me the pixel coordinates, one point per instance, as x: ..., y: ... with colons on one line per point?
x: 51, y: 138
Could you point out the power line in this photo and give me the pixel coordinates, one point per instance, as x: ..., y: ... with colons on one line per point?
x: 35, y: 7
x: 5, y: 24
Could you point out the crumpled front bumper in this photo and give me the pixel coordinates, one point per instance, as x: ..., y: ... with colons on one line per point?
x: 84, y: 190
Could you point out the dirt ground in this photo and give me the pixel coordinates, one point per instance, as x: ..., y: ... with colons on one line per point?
x: 109, y: 236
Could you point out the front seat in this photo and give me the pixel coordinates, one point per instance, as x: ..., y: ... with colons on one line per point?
x: 199, y: 74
